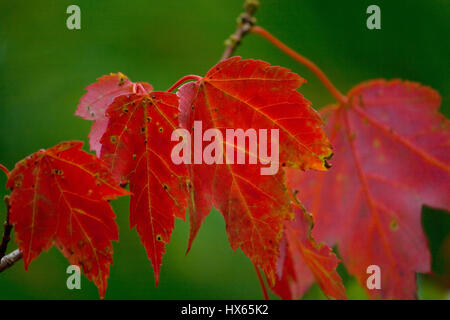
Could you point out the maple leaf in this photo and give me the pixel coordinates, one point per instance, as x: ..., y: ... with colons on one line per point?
x: 98, y: 97
x: 136, y: 147
x: 60, y: 196
x: 391, y: 157
x: 302, y: 261
x: 249, y: 94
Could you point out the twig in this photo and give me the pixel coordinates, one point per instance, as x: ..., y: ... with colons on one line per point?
x: 7, y: 230
x: 245, y: 22
x: 8, y: 260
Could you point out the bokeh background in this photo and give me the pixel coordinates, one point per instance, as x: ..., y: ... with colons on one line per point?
x: 44, y: 68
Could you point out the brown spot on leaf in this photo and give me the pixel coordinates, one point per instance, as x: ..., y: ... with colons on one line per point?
x: 393, y: 225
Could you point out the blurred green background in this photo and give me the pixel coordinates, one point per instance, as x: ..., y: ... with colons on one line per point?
x: 44, y: 68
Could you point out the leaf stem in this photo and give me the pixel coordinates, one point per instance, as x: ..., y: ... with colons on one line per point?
x: 184, y: 79
x: 261, y: 282
x: 4, y: 169
x: 302, y: 60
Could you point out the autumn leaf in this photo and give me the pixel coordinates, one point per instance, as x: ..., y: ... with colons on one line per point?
x: 302, y: 262
x: 98, y: 97
x: 136, y: 147
x: 392, y: 150
x: 249, y: 94
x: 60, y: 197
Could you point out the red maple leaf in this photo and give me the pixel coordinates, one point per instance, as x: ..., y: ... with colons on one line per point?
x: 98, y: 97
x: 249, y: 94
x: 392, y: 150
x: 60, y: 196
x: 136, y: 147
x: 303, y: 261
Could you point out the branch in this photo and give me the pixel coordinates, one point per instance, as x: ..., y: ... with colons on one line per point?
x: 7, y: 229
x: 8, y: 260
x: 245, y: 23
